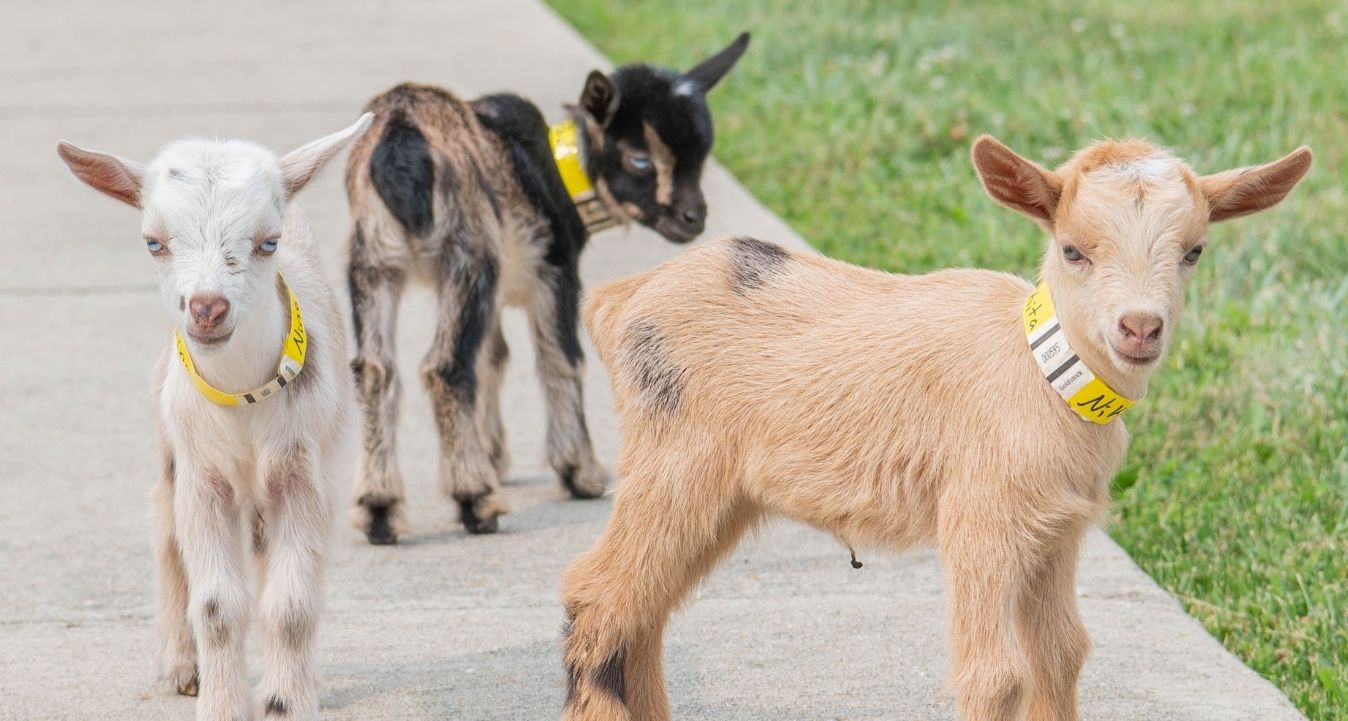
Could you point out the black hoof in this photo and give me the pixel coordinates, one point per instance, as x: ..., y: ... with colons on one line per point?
x: 380, y: 532
x: 472, y: 523
x: 568, y: 476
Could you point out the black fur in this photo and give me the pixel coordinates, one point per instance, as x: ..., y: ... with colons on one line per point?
x: 519, y: 127
x: 469, y: 519
x: 647, y: 359
x: 276, y: 706
x: 477, y: 293
x: 403, y: 174
x: 353, y: 288
x: 674, y: 105
x: 609, y: 676
x: 381, y: 532
x: 755, y: 261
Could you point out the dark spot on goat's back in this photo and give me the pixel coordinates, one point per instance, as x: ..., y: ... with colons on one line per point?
x: 754, y: 262
x: 403, y: 174
x: 646, y: 356
x: 276, y: 706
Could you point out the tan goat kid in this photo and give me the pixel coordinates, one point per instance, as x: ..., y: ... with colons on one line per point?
x: 895, y: 411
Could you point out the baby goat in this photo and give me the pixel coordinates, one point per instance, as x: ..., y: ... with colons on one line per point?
x: 482, y: 200
x: 239, y: 273
x: 963, y: 408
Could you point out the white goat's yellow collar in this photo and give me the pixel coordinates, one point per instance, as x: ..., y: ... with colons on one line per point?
x: 292, y: 362
x: 1087, y: 395
x: 564, y: 138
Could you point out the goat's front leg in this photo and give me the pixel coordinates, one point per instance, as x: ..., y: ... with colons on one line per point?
x: 178, y: 652
x: 298, y: 523
x: 458, y: 372
x: 380, y: 500
x: 1055, y: 639
x: 553, y: 309
x: 985, y: 572
x: 210, y: 535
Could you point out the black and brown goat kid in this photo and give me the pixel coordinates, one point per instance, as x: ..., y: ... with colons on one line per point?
x: 486, y: 202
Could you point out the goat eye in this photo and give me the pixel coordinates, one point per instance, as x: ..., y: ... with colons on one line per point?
x: 1192, y: 256
x: 1072, y: 254
x: 640, y: 164
x: 268, y: 246
x: 155, y: 247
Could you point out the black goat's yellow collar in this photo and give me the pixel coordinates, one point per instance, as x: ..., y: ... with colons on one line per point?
x: 1086, y: 394
x: 564, y: 138
x: 292, y: 362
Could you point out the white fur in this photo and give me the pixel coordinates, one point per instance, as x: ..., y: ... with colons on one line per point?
x: 236, y: 474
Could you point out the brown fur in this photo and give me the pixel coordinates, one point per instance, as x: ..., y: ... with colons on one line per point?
x: 891, y: 411
x: 481, y: 221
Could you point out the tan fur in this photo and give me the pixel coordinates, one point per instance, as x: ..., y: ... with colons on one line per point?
x: 663, y: 159
x: 891, y: 411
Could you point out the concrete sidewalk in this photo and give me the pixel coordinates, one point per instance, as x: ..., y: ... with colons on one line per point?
x: 443, y: 626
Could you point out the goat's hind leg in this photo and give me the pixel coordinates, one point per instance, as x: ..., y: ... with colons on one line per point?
x: 178, y: 653
x: 458, y: 372
x: 379, y: 499
x: 553, y: 310
x: 662, y: 538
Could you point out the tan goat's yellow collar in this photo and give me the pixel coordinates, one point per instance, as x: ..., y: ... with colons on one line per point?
x: 564, y: 138
x: 1086, y: 394
x: 292, y: 362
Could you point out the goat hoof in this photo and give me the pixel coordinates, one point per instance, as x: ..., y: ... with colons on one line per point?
x: 187, y: 682
x: 380, y: 532
x: 478, y: 526
x: 584, y: 485
x: 479, y: 515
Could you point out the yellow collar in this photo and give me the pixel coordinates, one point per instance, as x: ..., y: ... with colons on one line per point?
x: 292, y: 362
x: 564, y: 138
x: 1087, y: 395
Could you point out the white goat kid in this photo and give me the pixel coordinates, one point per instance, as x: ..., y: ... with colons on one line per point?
x: 236, y: 266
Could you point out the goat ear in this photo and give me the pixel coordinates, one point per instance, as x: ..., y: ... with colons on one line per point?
x: 600, y: 98
x: 113, y: 176
x: 1015, y: 182
x: 1243, y: 191
x: 710, y: 71
x: 299, y: 166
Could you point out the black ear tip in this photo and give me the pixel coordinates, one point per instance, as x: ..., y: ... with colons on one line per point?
x: 743, y: 39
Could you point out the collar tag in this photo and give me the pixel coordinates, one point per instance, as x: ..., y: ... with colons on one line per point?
x: 564, y: 138
x: 1087, y: 395
x: 290, y: 365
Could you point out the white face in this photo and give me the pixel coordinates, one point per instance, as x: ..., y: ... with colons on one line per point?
x: 1126, y: 240
x: 212, y: 218
x: 212, y: 222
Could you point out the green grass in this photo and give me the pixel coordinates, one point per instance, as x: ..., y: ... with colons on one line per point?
x: 853, y: 121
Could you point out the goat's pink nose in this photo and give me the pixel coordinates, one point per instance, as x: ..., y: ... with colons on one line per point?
x: 1141, y: 326
x: 208, y: 309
